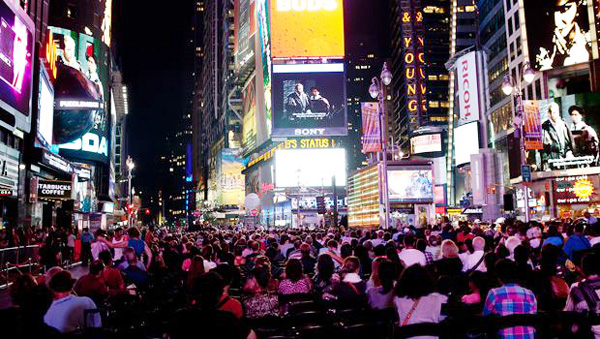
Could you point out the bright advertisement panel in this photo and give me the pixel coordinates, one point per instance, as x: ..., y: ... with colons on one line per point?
x: 569, y: 127
x: 410, y: 185
x: 558, y: 33
x: 45, y: 120
x: 309, y: 100
x: 88, y: 55
x: 307, y: 28
x: 580, y: 189
x: 16, y: 64
x: 92, y: 17
x: 532, y: 126
x: 245, y: 31
x: 310, y: 167
x: 468, y: 88
x: 249, y: 125
x: 231, y: 181
x: 429, y: 143
x: 263, y: 72
x: 371, y: 138
x: 466, y: 142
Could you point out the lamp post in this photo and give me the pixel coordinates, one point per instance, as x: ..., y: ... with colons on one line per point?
x: 130, y: 166
x: 516, y: 89
x: 377, y: 91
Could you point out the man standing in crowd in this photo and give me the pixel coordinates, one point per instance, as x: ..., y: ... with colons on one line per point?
x: 86, y: 245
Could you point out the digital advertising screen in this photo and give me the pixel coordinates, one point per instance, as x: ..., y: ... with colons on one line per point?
x: 558, y: 33
x: 569, y: 132
x: 16, y: 63
x: 576, y: 189
x: 45, y: 120
x: 307, y: 28
x: 92, y: 17
x: 310, y: 167
x: 466, y: 142
x: 309, y: 100
x: 89, y: 56
x: 231, y: 180
x: 410, y: 185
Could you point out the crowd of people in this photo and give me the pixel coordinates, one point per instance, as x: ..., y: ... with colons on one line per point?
x: 223, y: 279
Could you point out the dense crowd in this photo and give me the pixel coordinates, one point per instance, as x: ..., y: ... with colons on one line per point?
x: 223, y: 280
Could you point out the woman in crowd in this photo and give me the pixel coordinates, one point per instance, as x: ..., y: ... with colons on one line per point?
x: 382, y: 296
x: 260, y: 302
x: 295, y: 282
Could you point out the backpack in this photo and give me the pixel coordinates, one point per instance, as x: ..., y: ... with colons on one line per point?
x: 589, y: 290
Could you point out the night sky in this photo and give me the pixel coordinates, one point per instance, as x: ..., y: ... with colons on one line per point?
x: 153, y: 44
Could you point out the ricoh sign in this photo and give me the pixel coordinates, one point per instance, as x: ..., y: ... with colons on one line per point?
x: 468, y: 87
x: 306, y: 5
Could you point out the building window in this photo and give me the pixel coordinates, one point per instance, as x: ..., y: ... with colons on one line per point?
x: 510, y: 26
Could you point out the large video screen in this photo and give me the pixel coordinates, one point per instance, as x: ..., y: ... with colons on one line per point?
x: 45, y: 121
x: 307, y: 28
x: 466, y: 142
x: 16, y: 62
x: 410, y: 185
x: 92, y: 17
x: 88, y: 55
x: 231, y: 181
x: 558, y: 33
x: 309, y: 100
x: 569, y: 135
x: 310, y: 167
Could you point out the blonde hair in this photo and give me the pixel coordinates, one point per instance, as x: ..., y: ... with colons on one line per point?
x: 449, y: 249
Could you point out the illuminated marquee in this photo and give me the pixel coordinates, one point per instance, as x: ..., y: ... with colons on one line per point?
x: 293, y: 144
x: 414, y: 62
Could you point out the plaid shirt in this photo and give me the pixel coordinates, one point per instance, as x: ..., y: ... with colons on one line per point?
x: 508, y: 300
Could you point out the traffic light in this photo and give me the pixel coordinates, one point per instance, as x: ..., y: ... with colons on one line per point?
x: 321, y: 205
x: 147, y: 211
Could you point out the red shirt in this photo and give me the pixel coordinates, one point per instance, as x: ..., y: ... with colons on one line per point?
x: 90, y: 286
x: 231, y: 305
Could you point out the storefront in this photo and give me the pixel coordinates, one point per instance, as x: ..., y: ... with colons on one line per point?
x: 9, y: 183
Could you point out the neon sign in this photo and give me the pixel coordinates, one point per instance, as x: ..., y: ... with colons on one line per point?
x: 51, y: 54
x: 413, y: 45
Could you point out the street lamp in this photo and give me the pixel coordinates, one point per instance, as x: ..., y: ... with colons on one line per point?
x: 377, y: 91
x: 510, y: 88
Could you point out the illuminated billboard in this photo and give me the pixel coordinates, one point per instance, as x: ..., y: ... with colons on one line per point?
x: 231, y: 182
x: 558, y: 33
x: 310, y: 167
x: 16, y: 65
x: 407, y: 185
x: 262, y: 46
x: 45, y: 119
x: 92, y: 17
x: 576, y: 189
x: 569, y: 132
x: 89, y: 56
x: 309, y: 100
x: 307, y: 28
x: 466, y: 142
x: 429, y: 143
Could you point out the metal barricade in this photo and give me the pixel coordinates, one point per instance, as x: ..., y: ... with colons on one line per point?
x: 17, y: 260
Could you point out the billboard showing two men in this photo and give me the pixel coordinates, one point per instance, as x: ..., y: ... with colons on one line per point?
x: 569, y: 132
x: 309, y: 100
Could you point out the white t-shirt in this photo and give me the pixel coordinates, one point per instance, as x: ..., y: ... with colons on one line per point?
x: 472, y: 259
x: 118, y: 251
x: 411, y: 256
x: 429, y: 310
x: 594, y: 241
x: 71, y: 240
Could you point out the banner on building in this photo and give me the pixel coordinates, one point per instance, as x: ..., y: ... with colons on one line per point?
x: 468, y: 88
x: 371, y: 138
x: 478, y: 179
x: 532, y: 125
